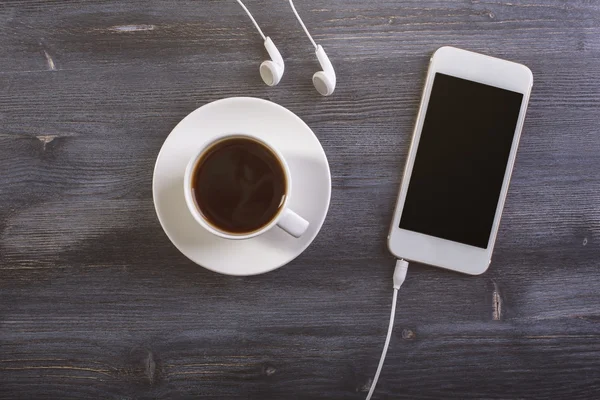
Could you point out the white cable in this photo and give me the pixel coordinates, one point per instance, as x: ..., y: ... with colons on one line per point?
x: 385, y: 346
x: 253, y: 20
x: 302, y: 23
x: 399, y: 276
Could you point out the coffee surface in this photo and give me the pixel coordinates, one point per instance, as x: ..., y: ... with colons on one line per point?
x: 239, y: 185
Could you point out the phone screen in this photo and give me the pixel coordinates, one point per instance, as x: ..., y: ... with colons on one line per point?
x: 461, y: 160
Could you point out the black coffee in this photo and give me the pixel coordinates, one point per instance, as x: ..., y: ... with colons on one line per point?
x: 239, y: 185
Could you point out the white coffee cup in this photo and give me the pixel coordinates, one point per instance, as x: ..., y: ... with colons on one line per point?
x: 285, y: 218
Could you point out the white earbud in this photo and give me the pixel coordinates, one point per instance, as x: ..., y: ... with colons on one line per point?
x: 325, y: 80
x: 271, y: 70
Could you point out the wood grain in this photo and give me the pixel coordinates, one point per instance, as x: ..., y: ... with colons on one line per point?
x: 95, y: 302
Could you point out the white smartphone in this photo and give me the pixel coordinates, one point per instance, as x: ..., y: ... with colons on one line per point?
x: 460, y: 161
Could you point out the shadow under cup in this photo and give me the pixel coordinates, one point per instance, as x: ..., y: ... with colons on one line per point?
x: 239, y: 185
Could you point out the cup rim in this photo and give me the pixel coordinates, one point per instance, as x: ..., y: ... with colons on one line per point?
x: 193, y: 206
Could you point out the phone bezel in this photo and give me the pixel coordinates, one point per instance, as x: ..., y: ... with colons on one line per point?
x: 432, y: 250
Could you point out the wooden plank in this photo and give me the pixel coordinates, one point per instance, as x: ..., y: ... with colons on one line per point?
x: 95, y: 302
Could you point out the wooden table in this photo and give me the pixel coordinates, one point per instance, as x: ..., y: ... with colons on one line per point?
x: 95, y: 302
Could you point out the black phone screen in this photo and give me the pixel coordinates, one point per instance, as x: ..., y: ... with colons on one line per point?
x: 461, y: 160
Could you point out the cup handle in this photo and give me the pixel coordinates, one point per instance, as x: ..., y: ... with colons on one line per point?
x: 292, y: 223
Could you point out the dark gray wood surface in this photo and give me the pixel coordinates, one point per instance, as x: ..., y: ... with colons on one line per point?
x: 95, y: 302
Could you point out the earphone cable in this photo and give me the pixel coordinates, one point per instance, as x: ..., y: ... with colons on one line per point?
x: 253, y: 20
x: 399, y: 276
x: 302, y: 23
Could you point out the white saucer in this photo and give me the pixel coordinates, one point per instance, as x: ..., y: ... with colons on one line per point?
x: 310, y: 176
